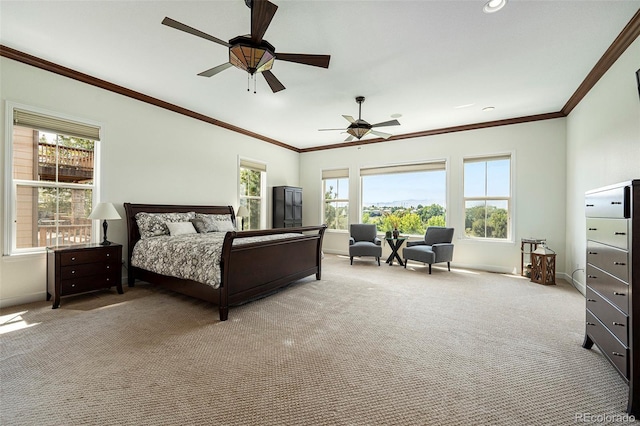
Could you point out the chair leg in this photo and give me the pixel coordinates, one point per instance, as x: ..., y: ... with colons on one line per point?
x: 449, y: 266
x: 378, y: 260
x: 352, y: 260
x: 429, y: 269
x: 405, y: 264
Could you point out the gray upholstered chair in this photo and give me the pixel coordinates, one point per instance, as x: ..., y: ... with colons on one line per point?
x: 364, y: 241
x: 435, y: 248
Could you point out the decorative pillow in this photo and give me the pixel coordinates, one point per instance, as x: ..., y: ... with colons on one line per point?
x: 225, y: 224
x: 216, y: 222
x: 181, y: 228
x: 154, y: 224
x: 201, y: 225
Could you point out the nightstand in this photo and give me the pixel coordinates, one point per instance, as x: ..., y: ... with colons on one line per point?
x: 82, y: 268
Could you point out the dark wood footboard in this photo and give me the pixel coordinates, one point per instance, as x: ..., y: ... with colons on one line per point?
x: 248, y: 270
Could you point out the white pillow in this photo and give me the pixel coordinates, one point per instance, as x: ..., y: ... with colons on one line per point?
x: 181, y: 228
x: 224, y: 225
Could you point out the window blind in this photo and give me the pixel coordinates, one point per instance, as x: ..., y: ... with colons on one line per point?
x: 56, y: 125
x: 335, y: 174
x: 403, y: 168
x: 253, y: 165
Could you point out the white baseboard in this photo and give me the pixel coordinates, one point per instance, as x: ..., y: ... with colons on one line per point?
x: 27, y: 298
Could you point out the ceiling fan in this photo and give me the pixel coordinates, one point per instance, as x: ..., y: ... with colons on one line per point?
x: 360, y: 128
x: 251, y: 53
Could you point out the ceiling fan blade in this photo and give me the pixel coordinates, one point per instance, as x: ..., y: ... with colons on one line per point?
x: 382, y: 135
x: 349, y: 138
x: 215, y: 70
x: 262, y: 12
x: 324, y: 130
x: 387, y: 123
x: 321, y: 61
x: 349, y: 118
x: 187, y: 29
x: 273, y: 82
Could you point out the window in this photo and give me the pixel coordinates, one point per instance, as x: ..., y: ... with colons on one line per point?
x: 408, y: 197
x: 252, y: 189
x: 487, y: 197
x: 51, y: 181
x: 335, y: 187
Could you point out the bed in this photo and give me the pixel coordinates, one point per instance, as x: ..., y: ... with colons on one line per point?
x: 251, y: 263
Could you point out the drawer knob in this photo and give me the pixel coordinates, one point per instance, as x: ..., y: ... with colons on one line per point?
x: 617, y: 293
x: 616, y: 354
x: 108, y: 266
x: 108, y: 254
x: 619, y: 263
x: 593, y: 229
x: 590, y: 323
x: 589, y: 205
x: 619, y: 233
x: 73, y: 285
x: 593, y: 252
x: 591, y: 300
x: 73, y: 272
x: 618, y: 323
x: 107, y: 279
x: 592, y: 276
x: 616, y: 202
x: 73, y: 258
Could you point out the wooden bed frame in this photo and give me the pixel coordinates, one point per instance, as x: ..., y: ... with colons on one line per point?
x: 248, y: 270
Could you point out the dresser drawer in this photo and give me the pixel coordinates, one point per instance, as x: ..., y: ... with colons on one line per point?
x: 613, y: 260
x: 89, y: 256
x: 617, y: 322
x: 87, y: 269
x: 613, y: 232
x: 612, y: 202
x: 95, y: 282
x: 616, y: 291
x: 609, y: 345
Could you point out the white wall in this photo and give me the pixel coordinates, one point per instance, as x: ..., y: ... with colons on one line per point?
x: 149, y: 155
x: 603, y: 147
x: 538, y: 151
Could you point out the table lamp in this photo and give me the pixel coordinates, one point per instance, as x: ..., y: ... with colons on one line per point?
x: 104, y: 211
x: 242, y: 213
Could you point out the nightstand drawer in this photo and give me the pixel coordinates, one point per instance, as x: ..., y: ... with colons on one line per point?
x: 614, y: 290
x: 616, y: 321
x: 610, y: 259
x: 80, y: 285
x: 610, y: 346
x: 87, y: 269
x: 614, y: 232
x: 101, y: 254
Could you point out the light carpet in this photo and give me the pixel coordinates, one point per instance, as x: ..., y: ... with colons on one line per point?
x: 366, y: 345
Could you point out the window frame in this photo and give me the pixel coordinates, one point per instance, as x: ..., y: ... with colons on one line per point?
x: 11, y: 184
x: 432, y: 165
x: 509, y: 199
x: 328, y: 174
x: 259, y: 166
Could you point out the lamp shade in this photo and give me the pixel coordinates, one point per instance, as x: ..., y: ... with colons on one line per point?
x: 104, y: 211
x: 242, y: 211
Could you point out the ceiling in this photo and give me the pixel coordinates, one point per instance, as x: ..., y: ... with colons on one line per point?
x: 424, y: 60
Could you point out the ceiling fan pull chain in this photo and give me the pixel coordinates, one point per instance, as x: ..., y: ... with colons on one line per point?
x: 254, y: 84
x: 248, y: 82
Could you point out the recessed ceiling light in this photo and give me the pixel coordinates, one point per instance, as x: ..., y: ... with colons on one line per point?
x: 396, y: 115
x: 489, y: 108
x: 493, y: 6
x: 463, y: 106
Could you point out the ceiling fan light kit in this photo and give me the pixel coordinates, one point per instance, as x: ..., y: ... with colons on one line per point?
x: 251, y: 53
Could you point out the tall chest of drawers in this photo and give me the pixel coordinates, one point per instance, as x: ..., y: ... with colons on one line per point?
x: 81, y: 268
x: 613, y: 279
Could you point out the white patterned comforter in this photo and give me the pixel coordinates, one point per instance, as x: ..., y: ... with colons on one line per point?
x: 193, y: 256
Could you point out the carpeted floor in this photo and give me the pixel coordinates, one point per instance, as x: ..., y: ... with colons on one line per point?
x: 366, y: 345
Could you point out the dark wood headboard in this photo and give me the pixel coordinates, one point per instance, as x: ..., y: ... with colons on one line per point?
x: 133, y: 235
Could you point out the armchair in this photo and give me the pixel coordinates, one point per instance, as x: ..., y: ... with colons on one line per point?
x: 364, y: 241
x: 435, y: 248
